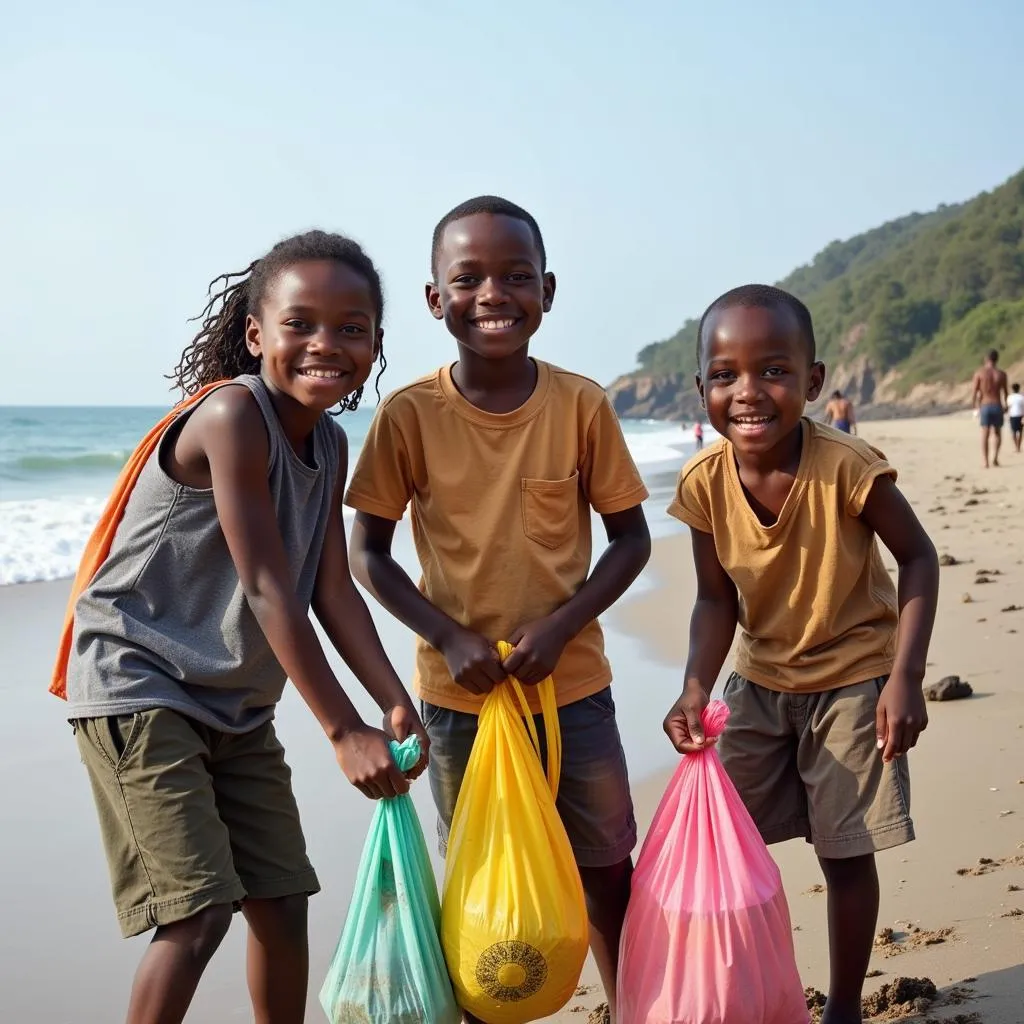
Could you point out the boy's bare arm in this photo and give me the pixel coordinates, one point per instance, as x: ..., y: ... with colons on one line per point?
x: 233, y: 438
x: 472, y: 659
x: 539, y: 645
x: 902, y: 714
x: 712, y: 628
x: 342, y: 612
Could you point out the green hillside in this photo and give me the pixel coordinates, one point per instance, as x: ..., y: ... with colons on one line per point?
x: 926, y: 294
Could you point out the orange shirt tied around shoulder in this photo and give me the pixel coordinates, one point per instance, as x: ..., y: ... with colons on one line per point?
x: 97, y: 547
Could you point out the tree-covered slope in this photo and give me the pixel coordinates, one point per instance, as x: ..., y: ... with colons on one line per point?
x: 923, y: 296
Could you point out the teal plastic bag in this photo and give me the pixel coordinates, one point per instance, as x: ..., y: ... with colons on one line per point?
x: 388, y: 967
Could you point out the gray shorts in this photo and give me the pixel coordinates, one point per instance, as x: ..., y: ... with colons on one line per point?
x: 807, y: 766
x: 594, y: 802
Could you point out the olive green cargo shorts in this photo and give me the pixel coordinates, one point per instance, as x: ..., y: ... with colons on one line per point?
x: 192, y: 817
x: 807, y: 766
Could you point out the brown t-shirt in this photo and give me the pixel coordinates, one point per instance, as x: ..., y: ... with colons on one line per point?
x: 817, y: 608
x: 500, y: 510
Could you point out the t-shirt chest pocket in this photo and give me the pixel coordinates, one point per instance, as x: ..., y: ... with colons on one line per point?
x: 551, y: 510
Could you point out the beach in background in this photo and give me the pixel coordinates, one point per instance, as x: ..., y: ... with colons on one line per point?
x: 952, y: 899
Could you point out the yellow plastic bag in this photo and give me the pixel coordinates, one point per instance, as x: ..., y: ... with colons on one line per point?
x: 513, y: 917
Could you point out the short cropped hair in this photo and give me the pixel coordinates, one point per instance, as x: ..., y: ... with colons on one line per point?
x: 760, y: 296
x: 494, y: 205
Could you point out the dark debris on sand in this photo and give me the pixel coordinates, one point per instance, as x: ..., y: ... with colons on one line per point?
x: 900, y: 998
x: 905, y: 999
x: 815, y: 1003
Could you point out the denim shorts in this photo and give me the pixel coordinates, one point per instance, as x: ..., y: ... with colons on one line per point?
x: 594, y: 802
x: 991, y: 415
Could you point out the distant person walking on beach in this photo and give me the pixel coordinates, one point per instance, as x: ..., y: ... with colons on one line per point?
x: 698, y: 435
x: 785, y: 516
x: 839, y: 413
x: 185, y: 636
x: 989, y: 400
x: 1015, y: 408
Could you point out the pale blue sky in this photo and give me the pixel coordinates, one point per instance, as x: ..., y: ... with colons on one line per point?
x: 670, y: 150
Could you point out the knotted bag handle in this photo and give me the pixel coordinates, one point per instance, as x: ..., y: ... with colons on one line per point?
x: 549, y: 710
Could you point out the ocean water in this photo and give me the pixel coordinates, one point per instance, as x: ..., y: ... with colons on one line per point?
x: 58, y: 464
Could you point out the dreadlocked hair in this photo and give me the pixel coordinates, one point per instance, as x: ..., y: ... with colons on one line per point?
x: 219, y: 351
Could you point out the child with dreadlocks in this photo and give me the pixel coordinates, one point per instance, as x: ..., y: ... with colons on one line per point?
x: 785, y: 515
x: 186, y: 634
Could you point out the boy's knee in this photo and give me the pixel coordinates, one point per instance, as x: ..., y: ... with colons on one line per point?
x: 848, y: 871
x: 285, y: 917
x: 606, y: 885
x: 200, y: 934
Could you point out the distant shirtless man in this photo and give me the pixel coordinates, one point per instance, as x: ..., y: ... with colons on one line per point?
x: 839, y: 413
x: 990, y: 400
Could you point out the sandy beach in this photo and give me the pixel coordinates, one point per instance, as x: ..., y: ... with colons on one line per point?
x: 954, y: 898
x: 952, y: 902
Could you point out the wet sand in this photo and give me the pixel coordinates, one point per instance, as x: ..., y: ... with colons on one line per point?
x: 63, y: 959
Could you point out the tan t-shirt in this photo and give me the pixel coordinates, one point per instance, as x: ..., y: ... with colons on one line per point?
x: 500, y: 510
x: 817, y: 608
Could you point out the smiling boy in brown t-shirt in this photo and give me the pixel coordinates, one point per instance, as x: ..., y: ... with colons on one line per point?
x: 501, y: 458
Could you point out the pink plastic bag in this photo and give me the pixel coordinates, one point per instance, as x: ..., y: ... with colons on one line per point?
x: 707, y: 937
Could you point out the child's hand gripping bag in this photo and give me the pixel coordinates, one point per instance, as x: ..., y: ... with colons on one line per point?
x: 513, y: 918
x: 388, y: 967
x: 707, y: 937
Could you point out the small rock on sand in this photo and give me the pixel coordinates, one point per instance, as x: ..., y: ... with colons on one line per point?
x: 602, y: 1015
x: 945, y: 560
x: 949, y: 688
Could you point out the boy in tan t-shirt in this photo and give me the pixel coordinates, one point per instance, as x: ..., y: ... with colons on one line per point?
x: 502, y: 458
x: 783, y: 515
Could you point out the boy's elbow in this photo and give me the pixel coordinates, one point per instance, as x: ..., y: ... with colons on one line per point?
x: 359, y: 564
x: 635, y: 536
x: 640, y: 546
x: 931, y: 559
x: 924, y: 560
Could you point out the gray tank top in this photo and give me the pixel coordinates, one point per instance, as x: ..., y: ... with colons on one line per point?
x: 164, y: 623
